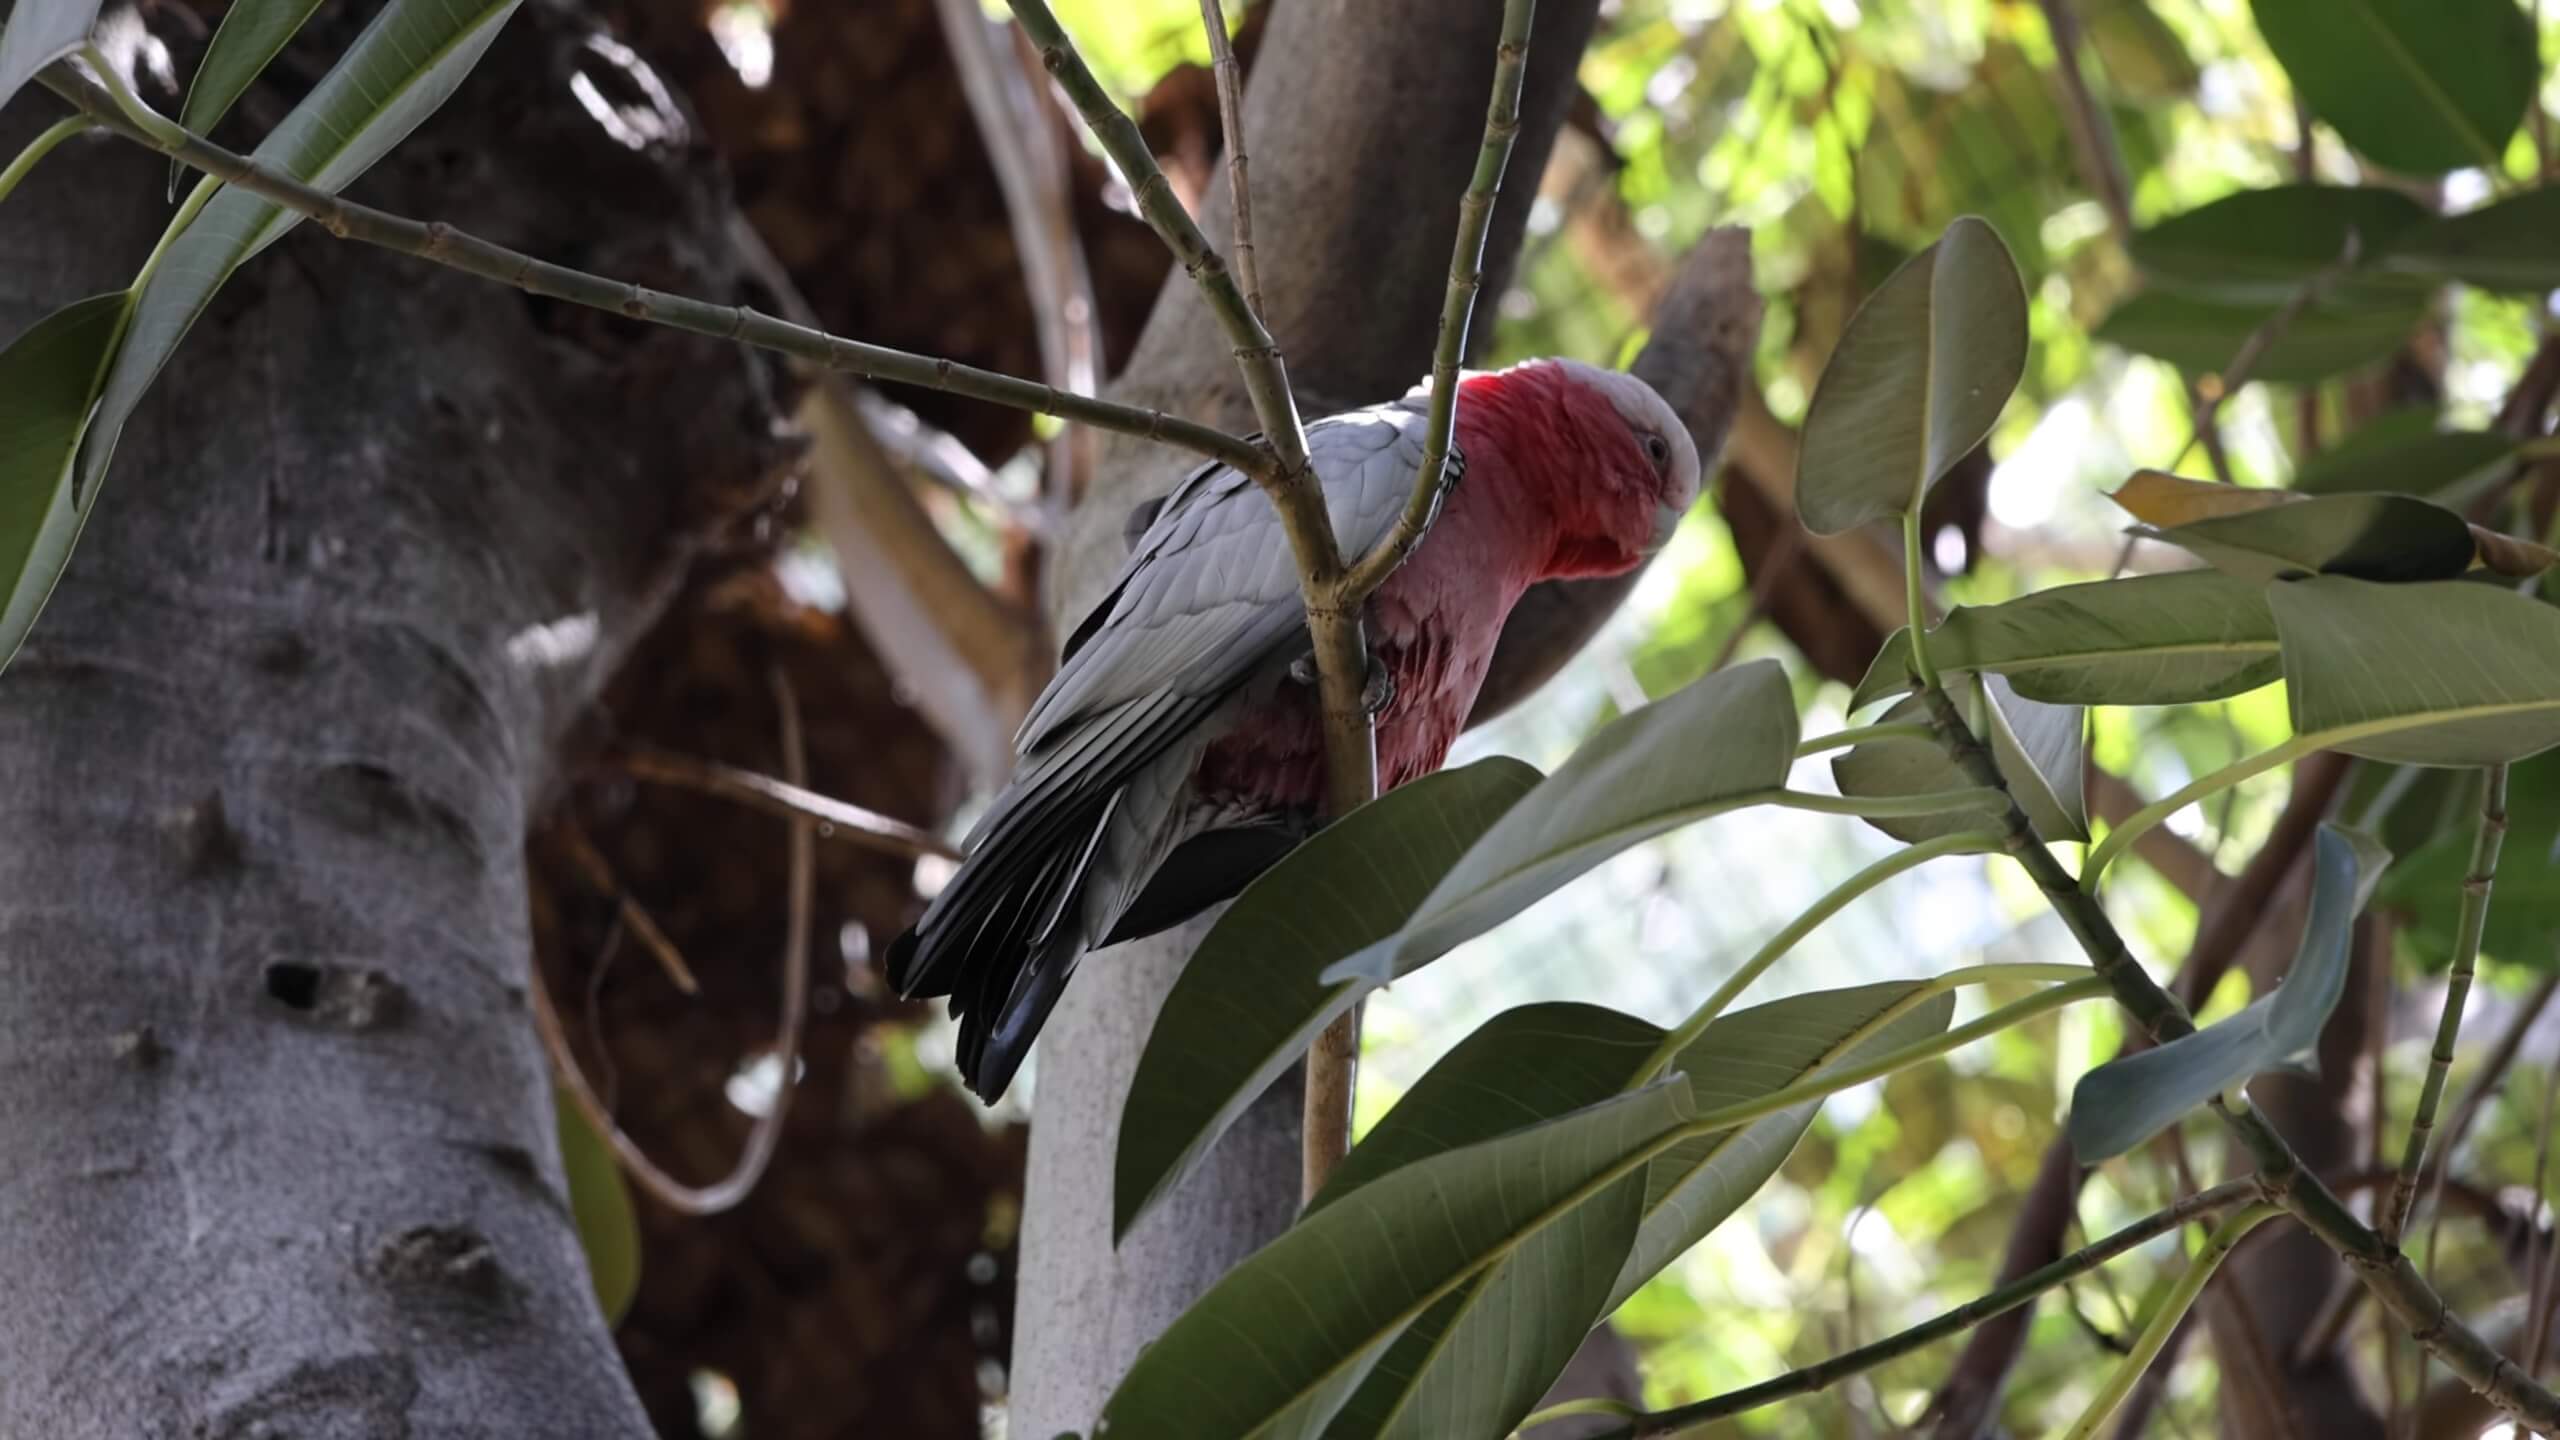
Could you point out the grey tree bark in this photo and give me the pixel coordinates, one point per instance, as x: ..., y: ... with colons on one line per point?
x: 277, y: 1133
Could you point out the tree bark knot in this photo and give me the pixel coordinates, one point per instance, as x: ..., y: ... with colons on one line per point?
x: 453, y: 1262
x: 339, y: 997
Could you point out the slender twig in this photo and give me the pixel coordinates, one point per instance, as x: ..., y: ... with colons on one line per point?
x: 1230, y: 80
x: 2543, y: 1285
x: 767, y: 1132
x: 1864, y: 734
x: 2213, y: 389
x: 445, y: 245
x: 2384, y: 1269
x: 1823, y: 1374
x: 836, y: 819
x: 630, y: 913
x: 2486, y: 841
x: 2101, y: 163
x: 2182, y: 1295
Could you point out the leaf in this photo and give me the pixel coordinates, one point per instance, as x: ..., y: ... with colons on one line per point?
x: 2036, y: 746
x: 2418, y: 85
x: 2275, y: 534
x: 48, y: 381
x: 39, y: 32
x: 2125, y: 1102
x: 2524, y: 905
x: 2403, y: 452
x: 406, y: 64
x: 1916, y: 381
x: 2264, y: 245
x: 1250, y: 1001
x: 2448, y: 673
x: 1722, y: 742
x: 251, y: 33
x: 1476, y: 1363
x: 2174, y: 639
x: 2503, y: 554
x: 1278, y: 1344
x: 600, y: 1203
x: 2330, y: 336
x: 1692, y: 1187
x: 2506, y: 246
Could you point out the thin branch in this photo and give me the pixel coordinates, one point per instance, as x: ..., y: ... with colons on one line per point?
x: 2101, y: 163
x: 2182, y: 1295
x: 2545, y: 1278
x: 1823, y: 1374
x: 2212, y: 390
x: 2384, y: 1269
x: 1230, y: 77
x: 767, y: 1132
x: 457, y: 249
x: 629, y: 912
x: 836, y: 819
x: 2486, y: 841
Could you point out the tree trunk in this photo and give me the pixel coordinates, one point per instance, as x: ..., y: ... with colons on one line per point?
x: 278, y: 1131
x: 1362, y: 122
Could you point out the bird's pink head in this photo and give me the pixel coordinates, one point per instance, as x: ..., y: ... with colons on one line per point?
x: 1607, y: 460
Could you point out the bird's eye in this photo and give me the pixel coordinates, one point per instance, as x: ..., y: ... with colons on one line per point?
x: 1658, y: 450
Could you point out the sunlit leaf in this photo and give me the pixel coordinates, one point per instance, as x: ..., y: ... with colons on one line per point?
x: 2124, y: 1102
x: 39, y: 32
x: 251, y: 33
x: 2037, y: 747
x: 48, y: 381
x: 2418, y: 85
x: 2271, y: 534
x: 1917, y: 380
x: 2449, y: 673
x: 1250, y: 1002
x: 1352, y: 1275
x: 2506, y: 246
x: 600, y: 1203
x: 2404, y: 452
x: 2203, y: 336
x: 2174, y: 639
x: 2262, y: 246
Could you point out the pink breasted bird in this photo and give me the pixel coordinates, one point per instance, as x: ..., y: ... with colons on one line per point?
x: 1177, y: 753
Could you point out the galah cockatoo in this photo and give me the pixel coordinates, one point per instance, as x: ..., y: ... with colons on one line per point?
x: 1179, y: 750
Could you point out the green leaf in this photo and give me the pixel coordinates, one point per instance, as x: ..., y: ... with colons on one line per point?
x: 1720, y: 743
x: 2262, y: 246
x: 2524, y: 905
x: 1692, y: 1187
x: 2125, y: 1102
x: 2174, y: 639
x: 2329, y: 337
x: 2449, y: 673
x: 1250, y: 1001
x: 1277, y: 1346
x: 600, y: 1203
x: 1916, y: 381
x: 2506, y: 246
x: 1476, y: 1363
x: 39, y: 32
x: 251, y: 33
x: 406, y: 64
x: 2036, y: 746
x: 2275, y: 534
x: 2418, y: 85
x: 48, y: 381
x: 2403, y: 452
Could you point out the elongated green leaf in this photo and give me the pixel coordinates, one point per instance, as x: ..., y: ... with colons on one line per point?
x: 1476, y: 1362
x: 2506, y: 246
x: 1917, y: 380
x: 2404, y: 452
x: 48, y: 381
x: 600, y: 1203
x: 2124, y: 1102
x: 251, y: 33
x: 1249, y: 1002
x: 2426, y: 885
x: 1692, y: 1187
x: 1720, y: 743
x: 2448, y: 673
x: 2329, y: 337
x: 2419, y: 85
x: 2175, y: 639
x: 2261, y: 246
x: 405, y: 65
x: 2274, y: 534
x: 2037, y: 747
x: 1346, y: 1280
x: 39, y: 32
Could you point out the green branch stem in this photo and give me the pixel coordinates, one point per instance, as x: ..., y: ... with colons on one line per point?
x: 445, y: 245
x: 2120, y: 838
x: 1863, y: 734
x: 40, y: 147
x: 1915, y: 601
x: 1230, y: 80
x: 2155, y: 1332
x: 1893, y: 807
x: 2486, y: 841
x: 1823, y: 1374
x: 1908, y: 858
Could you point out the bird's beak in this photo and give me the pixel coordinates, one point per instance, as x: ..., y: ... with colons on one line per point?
x: 1666, y: 523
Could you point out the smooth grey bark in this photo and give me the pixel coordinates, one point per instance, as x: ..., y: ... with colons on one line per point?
x: 1363, y: 122
x: 277, y: 1136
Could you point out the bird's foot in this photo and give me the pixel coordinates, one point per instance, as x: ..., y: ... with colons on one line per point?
x: 1377, y: 686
